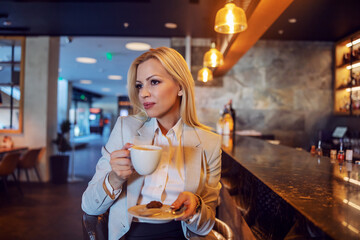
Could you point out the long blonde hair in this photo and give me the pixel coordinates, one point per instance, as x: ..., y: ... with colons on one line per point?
x: 176, y: 66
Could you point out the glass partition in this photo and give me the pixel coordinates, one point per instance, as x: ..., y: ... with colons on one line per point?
x: 12, y: 51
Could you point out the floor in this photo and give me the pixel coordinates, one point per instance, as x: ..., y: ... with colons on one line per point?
x: 46, y: 210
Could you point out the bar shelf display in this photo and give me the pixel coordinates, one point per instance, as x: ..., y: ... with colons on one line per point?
x: 347, y: 76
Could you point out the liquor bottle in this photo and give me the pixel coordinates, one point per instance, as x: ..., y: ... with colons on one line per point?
x: 341, y: 154
x: 232, y: 113
x: 220, y: 124
x: 313, y: 150
x: 319, y: 151
x: 228, y: 124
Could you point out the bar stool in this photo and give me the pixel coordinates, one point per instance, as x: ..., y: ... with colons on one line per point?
x: 7, y: 167
x: 29, y: 161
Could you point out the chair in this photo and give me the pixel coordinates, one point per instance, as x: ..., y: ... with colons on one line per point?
x: 96, y: 228
x: 222, y: 230
x: 7, y: 167
x: 29, y: 160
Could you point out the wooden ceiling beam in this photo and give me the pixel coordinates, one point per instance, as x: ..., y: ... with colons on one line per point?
x: 264, y: 15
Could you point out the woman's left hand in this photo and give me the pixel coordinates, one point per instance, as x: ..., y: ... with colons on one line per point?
x: 190, y: 201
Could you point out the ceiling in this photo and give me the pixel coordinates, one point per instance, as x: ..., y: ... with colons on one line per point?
x: 97, y: 47
x: 316, y: 20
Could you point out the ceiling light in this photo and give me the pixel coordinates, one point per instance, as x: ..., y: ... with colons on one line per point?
x: 126, y: 25
x: 170, y: 25
x: 292, y: 20
x: 114, y: 77
x: 85, y: 81
x: 137, y: 46
x: 205, y: 75
x: 230, y: 19
x: 106, y: 89
x: 86, y: 60
x: 353, y: 43
x: 213, y: 58
x: 280, y: 31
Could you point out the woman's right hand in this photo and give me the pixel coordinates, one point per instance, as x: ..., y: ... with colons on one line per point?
x: 121, y: 166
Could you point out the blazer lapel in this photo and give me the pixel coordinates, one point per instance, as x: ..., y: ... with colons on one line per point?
x: 192, y: 157
x: 146, y: 133
x: 135, y: 182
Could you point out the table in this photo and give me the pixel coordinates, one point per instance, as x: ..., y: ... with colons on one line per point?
x: 4, y: 150
x: 296, y: 187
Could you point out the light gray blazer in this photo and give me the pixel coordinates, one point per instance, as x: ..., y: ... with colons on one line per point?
x: 202, y: 156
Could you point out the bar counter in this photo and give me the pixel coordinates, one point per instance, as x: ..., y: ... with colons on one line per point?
x: 325, y: 193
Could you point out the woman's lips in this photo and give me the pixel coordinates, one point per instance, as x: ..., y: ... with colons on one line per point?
x: 148, y: 105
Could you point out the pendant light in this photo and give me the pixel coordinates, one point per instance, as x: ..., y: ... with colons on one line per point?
x: 213, y: 58
x: 205, y: 75
x: 230, y: 19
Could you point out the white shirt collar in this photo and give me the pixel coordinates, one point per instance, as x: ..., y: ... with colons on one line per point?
x: 177, y: 128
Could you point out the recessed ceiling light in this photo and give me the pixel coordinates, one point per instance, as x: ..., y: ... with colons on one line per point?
x: 106, y: 89
x: 171, y: 25
x: 292, y: 20
x: 280, y: 31
x: 85, y: 81
x: 86, y: 60
x: 114, y: 77
x: 137, y: 46
x: 126, y: 25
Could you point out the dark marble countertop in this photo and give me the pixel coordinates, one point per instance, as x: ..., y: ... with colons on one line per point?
x: 322, y: 190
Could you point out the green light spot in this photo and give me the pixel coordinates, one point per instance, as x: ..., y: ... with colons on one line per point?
x: 60, y: 78
x: 109, y: 56
x: 82, y: 97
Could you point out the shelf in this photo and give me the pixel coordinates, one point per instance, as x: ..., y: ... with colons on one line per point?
x: 348, y: 64
x: 345, y: 92
x: 347, y: 87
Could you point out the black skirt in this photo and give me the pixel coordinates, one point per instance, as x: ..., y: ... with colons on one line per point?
x: 150, y: 231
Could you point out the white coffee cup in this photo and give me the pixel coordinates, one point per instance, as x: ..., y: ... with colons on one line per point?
x: 145, y: 158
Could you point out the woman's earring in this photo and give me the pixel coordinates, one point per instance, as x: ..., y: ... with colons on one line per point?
x: 180, y: 93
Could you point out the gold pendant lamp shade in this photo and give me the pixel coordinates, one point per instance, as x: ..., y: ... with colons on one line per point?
x: 205, y: 75
x: 213, y: 58
x: 230, y: 19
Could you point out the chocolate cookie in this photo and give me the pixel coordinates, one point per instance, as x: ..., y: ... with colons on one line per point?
x: 154, y: 204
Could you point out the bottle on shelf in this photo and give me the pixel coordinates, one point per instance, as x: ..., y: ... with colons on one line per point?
x: 319, y: 150
x: 313, y: 150
x: 233, y: 116
x: 341, y: 153
x: 228, y: 123
x: 349, y: 155
x: 220, y: 124
x: 346, y: 58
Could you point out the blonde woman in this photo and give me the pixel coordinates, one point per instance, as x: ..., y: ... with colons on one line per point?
x: 161, y: 90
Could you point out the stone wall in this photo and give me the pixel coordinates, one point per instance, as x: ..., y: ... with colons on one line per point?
x: 278, y: 87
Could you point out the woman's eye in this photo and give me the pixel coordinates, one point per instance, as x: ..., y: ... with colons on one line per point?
x: 138, y: 85
x: 155, y: 82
